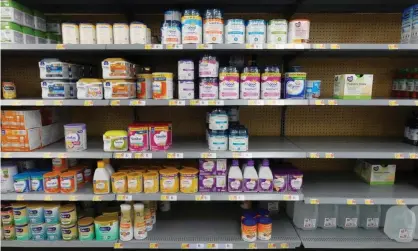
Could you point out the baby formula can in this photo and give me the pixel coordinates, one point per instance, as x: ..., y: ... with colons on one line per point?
x: 277, y: 31
x: 36, y: 213
x: 208, y: 67
x: 228, y: 83
x: 186, y: 89
x: 144, y: 86
x: 313, y: 89
x: 264, y: 228
x: 68, y: 182
x: 171, y: 32
x: 271, y: 83
x: 37, y: 181
x: 53, y: 232
x: 21, y: 182
x: 75, y: 137
x: 119, y: 183
x: 162, y: 85
x: 38, y: 232
x: 186, y: 70
x: 249, y: 229
x: 299, y: 31
x: 135, y: 182
x: 68, y: 214
x: 9, y: 232
x: 52, y: 182
x: 69, y: 232
x: 70, y: 33
x: 120, y: 33
x: 86, y: 229
x: 23, y: 233
x: 172, y: 15
x: 235, y: 31
x: 191, y: 24
x: 51, y: 213
x: 213, y: 27
x: 256, y: 31
x: 138, y: 33
x: 208, y: 88
x: 250, y: 83
x: 8, y: 90
x: 87, y: 33
x: 295, y: 83
x: 7, y: 215
x: 104, y: 33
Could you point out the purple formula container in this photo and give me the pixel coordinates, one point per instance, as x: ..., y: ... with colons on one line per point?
x: 250, y: 184
x: 280, y: 180
x: 295, y: 180
x: 234, y: 177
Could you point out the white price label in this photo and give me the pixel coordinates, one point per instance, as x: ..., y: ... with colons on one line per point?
x: 351, y: 222
x: 405, y: 234
x: 309, y: 223
x: 330, y: 222
x: 372, y: 222
x: 226, y: 246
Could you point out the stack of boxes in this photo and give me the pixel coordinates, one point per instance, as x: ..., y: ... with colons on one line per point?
x: 24, y: 131
x: 409, y: 29
x: 21, y: 25
x: 212, y: 175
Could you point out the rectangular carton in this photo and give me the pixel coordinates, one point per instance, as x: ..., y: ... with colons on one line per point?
x: 221, y: 183
x: 353, y: 86
x: 161, y: 136
x: 414, y: 29
x: 40, y: 21
x: 20, y: 140
x: 213, y: 166
x: 406, y: 26
x: 11, y: 33
x: 21, y: 120
x: 28, y: 35
x: 51, y: 133
x: 376, y: 172
x: 12, y: 11
x: 207, y: 183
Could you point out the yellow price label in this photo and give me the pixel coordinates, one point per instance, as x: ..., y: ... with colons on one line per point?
x: 6, y: 155
x: 329, y: 155
x: 400, y: 202
x: 202, y: 197
x: 252, y: 246
x: 60, y: 47
x: 153, y: 245
x: 122, y: 197
x: 16, y: 103
x: 174, y: 46
x: 58, y: 102
x: 168, y: 197
x: 274, y: 102
x: 194, y: 102
x: 413, y: 155
x: 39, y: 103
x: 88, y: 102
x: 148, y: 46
x: 211, y: 102
x: 351, y: 202
x: 319, y: 102
x: 319, y: 46
x: 284, y: 245
x: 118, y: 155
x: 393, y: 103
x: 212, y: 246
x: 335, y: 47
x: 204, y: 47
x: 236, y: 197
x: 256, y: 102
x: 393, y: 46
x: 314, y: 201
x: 47, y: 155
x: 115, y: 103
x: 185, y: 246
x: 416, y: 103
x: 314, y: 155
x: 62, y: 155
x: 369, y: 202
x: 20, y: 197
x: 143, y: 155
x: 208, y: 155
x: 271, y: 245
x: 399, y: 156
x: 137, y: 103
x: 239, y: 155
x: 72, y: 198
x: 332, y: 102
x: 97, y: 198
x: 48, y: 198
x: 174, y: 155
x: 118, y: 245
x: 176, y: 103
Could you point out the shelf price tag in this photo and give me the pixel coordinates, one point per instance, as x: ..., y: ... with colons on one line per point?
x: 48, y: 198
x: 202, y: 197
x: 369, y: 202
x: 393, y: 103
x: 16, y: 103
x: 177, y: 103
x: 58, y: 102
x: 332, y: 102
x: 124, y: 197
x: 290, y: 197
x: 299, y: 46
x: 271, y: 246
x: 413, y: 155
x: 174, y: 155
x: 118, y: 245
x: 226, y: 246
x: 256, y: 102
x: 254, y: 46
x: 153, y: 245
x: 185, y: 246
x: 252, y: 246
x: 60, y: 47
x: 39, y: 103
x: 137, y: 102
x: 314, y: 201
x: 204, y: 47
x: 399, y: 156
x: 393, y: 46
x: 196, y: 102
x: 400, y: 202
x: 174, y: 47
x: 6, y: 155
x: 143, y: 155
x: 153, y: 47
x: 319, y: 46
x: 274, y: 102
x: 242, y: 155
x: 72, y: 198
x: 47, y: 155
x: 329, y: 155
x: 351, y: 202
x: 314, y: 155
x: 97, y: 198
x: 335, y: 47
x: 319, y: 102
x: 212, y: 246
x: 416, y: 103
x: 115, y: 103
x: 20, y: 197
x: 236, y: 197
x: 62, y: 155
x: 123, y: 155
x: 208, y: 155
x: 88, y: 102
x: 284, y: 245
x: 168, y: 197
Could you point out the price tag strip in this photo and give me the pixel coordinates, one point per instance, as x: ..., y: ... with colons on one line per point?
x: 236, y: 197
x: 168, y: 197
x: 123, y: 197
x: 174, y: 155
x: 143, y: 155
x: 208, y: 155
x: 137, y: 103
x: 202, y: 197
x: 242, y: 155
x: 123, y: 155
x: 177, y: 103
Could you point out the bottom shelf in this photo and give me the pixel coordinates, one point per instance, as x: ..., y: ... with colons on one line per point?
x: 352, y: 239
x: 58, y: 244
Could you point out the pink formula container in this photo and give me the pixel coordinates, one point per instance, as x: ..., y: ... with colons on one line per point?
x: 160, y: 136
x: 138, y: 134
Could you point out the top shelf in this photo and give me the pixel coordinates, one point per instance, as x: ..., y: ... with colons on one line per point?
x: 305, y: 49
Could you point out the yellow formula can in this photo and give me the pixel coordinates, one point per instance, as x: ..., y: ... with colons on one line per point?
x: 8, y: 90
x: 151, y: 182
x: 69, y: 232
x: 68, y: 214
x: 189, y: 180
x: 162, y: 85
x: 119, y: 184
x: 169, y: 180
x: 135, y: 182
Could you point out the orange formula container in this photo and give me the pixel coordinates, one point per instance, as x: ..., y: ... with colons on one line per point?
x: 162, y: 85
x: 68, y: 182
x: 52, y: 182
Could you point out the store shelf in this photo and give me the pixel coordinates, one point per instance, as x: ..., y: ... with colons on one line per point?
x: 58, y: 244
x: 54, y: 102
x: 347, y: 188
x: 207, y: 196
x: 355, y: 147
x: 371, y: 102
x: 83, y: 194
x: 351, y: 239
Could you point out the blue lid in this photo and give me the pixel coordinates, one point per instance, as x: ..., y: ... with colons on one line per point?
x: 37, y: 174
x: 21, y: 176
x: 249, y: 213
x: 265, y: 220
x: 249, y: 221
x: 263, y: 212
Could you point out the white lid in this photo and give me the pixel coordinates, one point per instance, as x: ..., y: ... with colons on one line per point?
x: 139, y: 206
x: 124, y: 207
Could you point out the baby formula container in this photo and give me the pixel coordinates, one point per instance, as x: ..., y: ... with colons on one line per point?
x: 169, y: 180
x: 138, y: 33
x: 90, y: 88
x: 250, y: 183
x: 186, y: 89
x: 313, y: 89
x: 218, y: 120
x: 171, y: 32
x: 400, y: 224
x: 126, y: 231
x: 52, y: 68
x: 249, y: 229
x: 191, y: 27
x: 51, y: 213
x: 238, y: 139
x: 104, y: 33
x: 235, y: 31
x: 115, y: 141
x: 295, y: 82
x: 265, y: 177
x: 228, y: 83
x: 52, y: 182
x: 298, y: 31
x: 106, y: 228
x: 75, y: 137
x: 327, y: 216
x: 271, y: 83
x: 162, y: 85
x: 120, y: 33
x: 250, y: 83
x: 23, y: 233
x: 101, y: 179
x: 86, y: 229
x: 264, y: 228
x: 189, y: 180
x: 277, y: 31
x: 161, y: 136
x: 21, y: 182
x: 7, y: 215
x: 208, y: 88
x: 70, y: 33
x: 37, y: 181
x: 140, y: 230
x: 8, y: 170
x: 348, y: 216
x: 305, y: 216
x: 218, y: 140
x: 79, y: 170
x: 119, y: 89
x: 68, y: 182
x: 9, y: 232
x: 174, y: 15
x: 213, y: 27
x: 36, y: 213
x: 208, y: 67
x: 370, y: 216
x: 138, y: 137
x: 148, y: 215
x: 53, y: 232
x: 20, y: 214
x: 68, y: 214
x: 151, y: 182
x: 57, y: 89
x: 144, y: 86
x: 135, y: 182
x: 185, y: 69
x: 69, y: 232
x: 38, y: 231
x: 119, y: 183
x: 8, y: 90
x: 87, y: 33
x: 256, y: 31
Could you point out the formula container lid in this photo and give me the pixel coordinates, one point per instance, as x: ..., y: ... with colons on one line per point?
x: 235, y: 20
x: 67, y: 208
x: 249, y: 214
x: 169, y: 171
x: 83, y: 126
x: 249, y: 221
x: 116, y: 133
x: 19, y: 205
x: 138, y: 206
x: 104, y: 219
x: 21, y: 176
x: 86, y: 221
x: 37, y: 175
x: 189, y: 170
x: 191, y: 12
x: 90, y: 80
x: 263, y: 212
x: 265, y: 220
x: 8, y: 164
x: 119, y: 174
